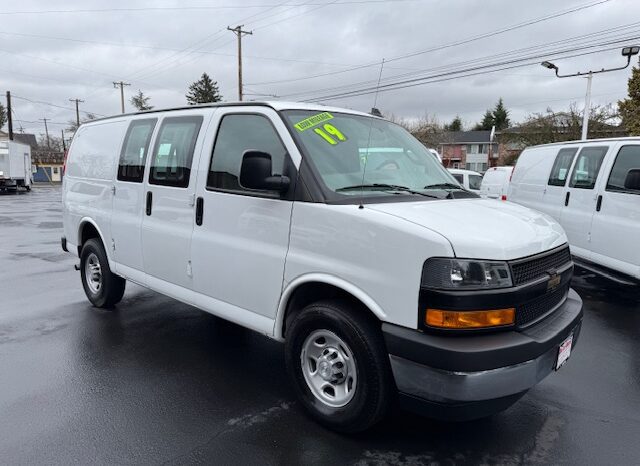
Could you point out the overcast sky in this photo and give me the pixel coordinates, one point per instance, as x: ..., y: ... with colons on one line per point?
x: 53, y: 51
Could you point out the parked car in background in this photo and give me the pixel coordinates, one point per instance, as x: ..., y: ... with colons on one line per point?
x: 468, y: 179
x: 592, y: 188
x: 332, y: 231
x: 495, y: 183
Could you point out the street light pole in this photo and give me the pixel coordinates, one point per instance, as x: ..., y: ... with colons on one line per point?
x: 626, y: 52
x: 587, y: 108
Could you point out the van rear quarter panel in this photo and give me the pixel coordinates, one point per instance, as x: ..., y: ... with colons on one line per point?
x: 379, y: 255
x: 91, y: 166
x: 530, y: 177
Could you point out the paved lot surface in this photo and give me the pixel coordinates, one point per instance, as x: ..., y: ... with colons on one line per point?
x: 157, y: 381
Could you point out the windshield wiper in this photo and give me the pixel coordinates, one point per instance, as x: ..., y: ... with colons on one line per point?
x: 444, y: 186
x: 385, y: 187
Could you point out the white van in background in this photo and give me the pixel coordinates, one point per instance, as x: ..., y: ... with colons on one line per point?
x: 468, y: 179
x: 337, y: 233
x: 593, y: 189
x: 495, y: 183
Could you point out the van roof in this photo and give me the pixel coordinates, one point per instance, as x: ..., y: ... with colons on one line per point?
x: 628, y: 138
x: 274, y: 104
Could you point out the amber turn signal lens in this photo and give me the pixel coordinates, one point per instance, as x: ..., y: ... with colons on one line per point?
x: 470, y: 319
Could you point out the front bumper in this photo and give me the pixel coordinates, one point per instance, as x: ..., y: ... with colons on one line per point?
x: 461, y: 369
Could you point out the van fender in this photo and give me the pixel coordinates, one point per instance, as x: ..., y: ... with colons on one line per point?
x: 329, y: 280
x: 107, y: 249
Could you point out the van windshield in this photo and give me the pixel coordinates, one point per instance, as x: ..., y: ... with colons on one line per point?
x: 357, y: 154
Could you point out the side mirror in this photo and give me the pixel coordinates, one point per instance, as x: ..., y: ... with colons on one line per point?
x: 632, y: 181
x: 255, y: 173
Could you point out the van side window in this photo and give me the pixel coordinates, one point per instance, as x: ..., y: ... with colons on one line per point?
x: 238, y: 133
x: 173, y: 151
x: 459, y: 178
x: 585, y: 171
x: 133, y: 155
x: 625, y: 174
x: 560, y: 170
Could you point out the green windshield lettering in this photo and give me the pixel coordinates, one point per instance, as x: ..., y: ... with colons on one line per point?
x: 313, y: 121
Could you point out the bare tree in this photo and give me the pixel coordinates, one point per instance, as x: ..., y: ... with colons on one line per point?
x: 552, y: 126
x: 73, y: 125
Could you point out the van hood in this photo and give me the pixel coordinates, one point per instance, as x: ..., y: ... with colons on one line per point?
x: 482, y: 228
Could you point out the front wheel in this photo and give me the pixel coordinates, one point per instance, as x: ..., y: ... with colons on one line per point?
x: 340, y: 370
x: 103, y: 288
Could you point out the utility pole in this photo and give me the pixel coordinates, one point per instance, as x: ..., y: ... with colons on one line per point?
x: 9, y: 116
x: 121, y: 85
x: 46, y: 130
x: 77, y: 101
x: 64, y: 145
x: 239, y: 33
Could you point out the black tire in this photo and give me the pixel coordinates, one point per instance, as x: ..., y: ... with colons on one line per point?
x: 111, y: 288
x: 373, y: 392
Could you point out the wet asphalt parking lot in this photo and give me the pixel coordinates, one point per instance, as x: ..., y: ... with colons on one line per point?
x: 157, y: 381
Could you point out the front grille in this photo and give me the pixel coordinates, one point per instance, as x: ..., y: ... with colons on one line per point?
x: 538, y: 307
x: 531, y: 269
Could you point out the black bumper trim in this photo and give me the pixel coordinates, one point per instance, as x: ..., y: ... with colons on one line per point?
x: 470, y: 353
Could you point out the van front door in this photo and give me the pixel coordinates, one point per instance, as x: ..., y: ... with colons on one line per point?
x: 616, y: 224
x: 579, y: 203
x: 241, y: 236
x: 169, y: 200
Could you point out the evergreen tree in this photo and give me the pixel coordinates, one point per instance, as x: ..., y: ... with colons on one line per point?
x: 486, y: 123
x: 203, y: 91
x: 141, y: 101
x: 455, y: 125
x: 3, y: 116
x: 500, y: 116
x: 629, y: 108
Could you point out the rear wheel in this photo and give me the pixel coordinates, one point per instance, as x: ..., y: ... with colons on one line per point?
x: 337, y: 361
x: 103, y: 288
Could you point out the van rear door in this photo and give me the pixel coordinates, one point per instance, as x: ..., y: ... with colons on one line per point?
x: 169, y: 201
x: 555, y: 190
x: 616, y: 223
x: 579, y: 202
x: 129, y: 194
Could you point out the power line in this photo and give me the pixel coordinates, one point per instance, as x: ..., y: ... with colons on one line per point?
x: 481, y: 69
x: 41, y: 102
x: 187, y: 8
x: 611, y: 33
x: 448, y: 45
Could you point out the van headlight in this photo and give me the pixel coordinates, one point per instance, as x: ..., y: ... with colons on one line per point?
x: 465, y: 274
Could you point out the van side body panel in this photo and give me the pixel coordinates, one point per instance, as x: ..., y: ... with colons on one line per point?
x: 378, y: 254
x: 91, y: 166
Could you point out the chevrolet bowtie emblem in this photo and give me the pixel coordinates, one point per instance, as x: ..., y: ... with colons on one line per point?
x: 554, y: 280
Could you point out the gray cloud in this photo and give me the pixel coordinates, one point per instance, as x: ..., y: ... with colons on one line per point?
x: 146, y: 48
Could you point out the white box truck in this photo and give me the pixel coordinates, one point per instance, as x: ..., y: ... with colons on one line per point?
x: 15, y: 165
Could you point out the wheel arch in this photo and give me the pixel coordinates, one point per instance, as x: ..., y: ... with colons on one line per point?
x: 312, y: 287
x: 88, y: 229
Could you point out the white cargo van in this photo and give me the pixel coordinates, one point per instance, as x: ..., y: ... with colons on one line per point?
x: 15, y: 165
x: 468, y: 179
x: 592, y: 188
x: 495, y: 183
x: 380, y: 274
